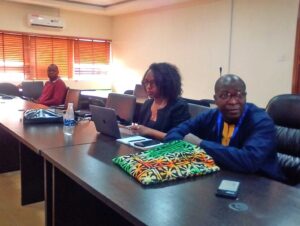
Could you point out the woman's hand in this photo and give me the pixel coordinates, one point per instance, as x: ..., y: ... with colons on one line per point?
x: 146, y: 131
x: 139, y: 129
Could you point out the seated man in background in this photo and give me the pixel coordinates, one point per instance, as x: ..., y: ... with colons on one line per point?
x: 239, y: 136
x: 54, y: 91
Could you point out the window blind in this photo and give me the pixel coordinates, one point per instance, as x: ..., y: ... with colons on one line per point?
x: 11, y: 54
x: 29, y: 55
x: 47, y: 51
x: 90, y: 56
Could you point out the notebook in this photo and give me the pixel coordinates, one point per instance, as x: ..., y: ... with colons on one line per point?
x: 106, y: 122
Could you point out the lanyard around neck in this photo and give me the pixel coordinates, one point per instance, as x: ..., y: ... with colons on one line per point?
x: 236, y: 128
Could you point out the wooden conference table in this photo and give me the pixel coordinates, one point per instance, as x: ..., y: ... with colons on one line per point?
x: 21, y: 145
x: 88, y: 189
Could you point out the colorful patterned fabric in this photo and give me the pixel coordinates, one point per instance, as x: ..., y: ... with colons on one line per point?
x: 173, y: 160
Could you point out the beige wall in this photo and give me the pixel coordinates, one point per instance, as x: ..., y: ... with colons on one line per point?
x: 194, y: 36
x: 199, y: 37
x: 263, y: 42
x: 13, y: 17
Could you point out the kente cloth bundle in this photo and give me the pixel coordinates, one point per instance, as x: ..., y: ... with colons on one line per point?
x: 170, y: 161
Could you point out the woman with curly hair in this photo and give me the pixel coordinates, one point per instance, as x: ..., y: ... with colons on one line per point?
x: 164, y: 109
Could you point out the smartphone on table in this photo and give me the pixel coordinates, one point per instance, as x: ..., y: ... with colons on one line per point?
x: 228, y: 189
x: 146, y: 144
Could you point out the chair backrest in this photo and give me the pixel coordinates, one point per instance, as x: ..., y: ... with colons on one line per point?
x: 9, y: 89
x: 203, y: 102
x: 72, y: 96
x: 140, y: 92
x: 123, y: 104
x: 32, y: 89
x: 195, y: 109
x: 129, y: 92
x: 285, y: 111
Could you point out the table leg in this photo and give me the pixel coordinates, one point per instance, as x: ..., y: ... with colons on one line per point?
x: 9, y: 153
x: 32, y: 176
x: 48, y: 193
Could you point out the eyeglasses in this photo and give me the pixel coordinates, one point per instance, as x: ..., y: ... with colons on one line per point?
x: 148, y: 83
x: 226, y: 96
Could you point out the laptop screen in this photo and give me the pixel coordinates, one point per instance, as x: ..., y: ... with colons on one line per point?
x: 105, y: 120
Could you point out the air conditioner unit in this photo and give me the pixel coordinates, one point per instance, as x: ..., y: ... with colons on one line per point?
x: 45, y: 21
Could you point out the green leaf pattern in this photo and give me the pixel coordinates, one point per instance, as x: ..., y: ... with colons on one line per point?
x: 171, y: 161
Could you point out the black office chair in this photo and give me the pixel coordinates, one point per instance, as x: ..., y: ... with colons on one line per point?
x: 203, y: 102
x: 207, y: 102
x: 9, y: 89
x: 128, y: 92
x: 140, y: 92
x: 195, y: 109
x: 124, y: 106
x: 285, y: 111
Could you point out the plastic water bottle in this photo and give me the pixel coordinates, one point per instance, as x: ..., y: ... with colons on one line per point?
x: 69, y: 120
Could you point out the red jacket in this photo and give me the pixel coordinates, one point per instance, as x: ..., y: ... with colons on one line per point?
x: 53, y: 93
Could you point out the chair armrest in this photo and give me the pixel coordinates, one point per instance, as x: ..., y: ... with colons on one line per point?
x: 28, y: 98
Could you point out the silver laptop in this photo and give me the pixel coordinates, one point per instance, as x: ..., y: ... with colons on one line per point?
x: 106, y: 122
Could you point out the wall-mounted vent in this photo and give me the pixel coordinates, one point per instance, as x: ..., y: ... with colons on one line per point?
x: 45, y: 21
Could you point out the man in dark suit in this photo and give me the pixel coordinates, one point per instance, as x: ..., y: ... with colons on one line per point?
x: 239, y: 136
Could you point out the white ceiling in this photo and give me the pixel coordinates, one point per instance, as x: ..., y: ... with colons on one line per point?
x: 103, y: 7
